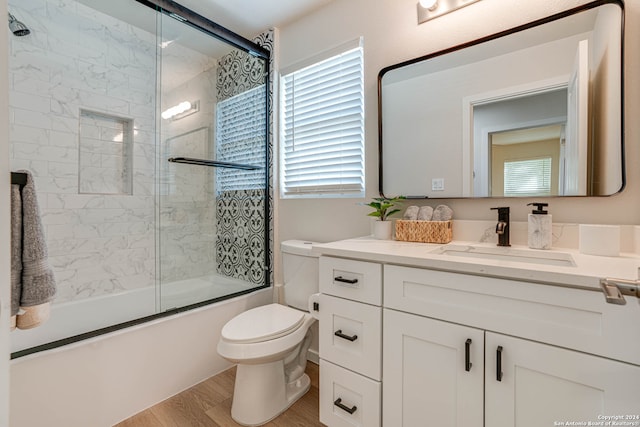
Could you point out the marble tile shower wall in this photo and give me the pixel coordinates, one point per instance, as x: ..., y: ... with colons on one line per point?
x: 187, y: 198
x: 77, y: 58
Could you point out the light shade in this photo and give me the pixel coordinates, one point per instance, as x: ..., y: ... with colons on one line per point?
x: 429, y: 9
x: 428, y: 4
x: 181, y: 110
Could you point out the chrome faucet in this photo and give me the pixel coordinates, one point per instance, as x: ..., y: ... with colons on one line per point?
x: 502, y: 228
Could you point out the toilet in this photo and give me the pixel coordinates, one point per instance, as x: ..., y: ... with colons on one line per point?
x: 270, y: 343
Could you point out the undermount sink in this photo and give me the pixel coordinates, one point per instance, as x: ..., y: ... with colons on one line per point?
x: 507, y: 254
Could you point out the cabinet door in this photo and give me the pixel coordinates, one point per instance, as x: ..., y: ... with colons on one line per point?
x: 428, y: 379
x: 542, y: 385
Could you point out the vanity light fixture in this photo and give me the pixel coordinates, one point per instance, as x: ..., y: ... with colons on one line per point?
x: 429, y: 9
x: 165, y: 44
x: 429, y: 4
x: 183, y: 109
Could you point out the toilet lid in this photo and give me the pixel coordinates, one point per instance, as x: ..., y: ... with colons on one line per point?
x: 262, y: 324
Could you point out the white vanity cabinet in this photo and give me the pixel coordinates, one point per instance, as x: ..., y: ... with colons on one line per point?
x: 441, y: 348
x: 350, y: 316
x: 450, y: 374
x: 440, y: 373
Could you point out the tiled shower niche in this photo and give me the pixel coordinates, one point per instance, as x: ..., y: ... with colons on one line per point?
x: 105, y: 160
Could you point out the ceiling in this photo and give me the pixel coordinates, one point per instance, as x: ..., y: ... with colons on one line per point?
x: 247, y: 18
x: 533, y: 134
x: 244, y: 17
x: 250, y: 17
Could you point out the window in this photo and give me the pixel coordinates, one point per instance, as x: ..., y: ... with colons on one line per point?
x: 240, y: 133
x: 323, y: 129
x: 531, y: 177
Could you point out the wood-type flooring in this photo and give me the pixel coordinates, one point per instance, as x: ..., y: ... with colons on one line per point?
x: 208, y: 404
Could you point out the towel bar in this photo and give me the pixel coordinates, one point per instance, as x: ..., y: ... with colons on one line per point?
x: 19, y: 178
x: 212, y: 163
x: 614, y: 289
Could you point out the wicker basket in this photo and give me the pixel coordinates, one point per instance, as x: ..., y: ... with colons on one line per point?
x: 424, y: 231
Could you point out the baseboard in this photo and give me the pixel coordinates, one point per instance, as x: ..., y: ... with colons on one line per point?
x: 313, y: 356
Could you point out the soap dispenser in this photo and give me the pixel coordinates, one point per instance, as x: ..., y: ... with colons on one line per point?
x: 539, y: 232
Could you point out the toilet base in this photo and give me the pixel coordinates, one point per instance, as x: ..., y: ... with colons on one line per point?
x: 260, y: 393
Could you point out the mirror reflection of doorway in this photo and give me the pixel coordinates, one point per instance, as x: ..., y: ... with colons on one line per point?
x: 519, y: 118
x: 527, y: 162
x: 526, y: 116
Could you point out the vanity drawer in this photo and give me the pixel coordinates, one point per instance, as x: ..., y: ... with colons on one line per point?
x: 351, y: 335
x: 348, y: 399
x: 355, y: 280
x: 571, y: 318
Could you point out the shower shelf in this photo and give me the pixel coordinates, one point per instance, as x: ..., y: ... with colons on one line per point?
x: 212, y: 163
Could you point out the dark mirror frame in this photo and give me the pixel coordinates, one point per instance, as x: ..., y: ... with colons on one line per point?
x: 498, y: 35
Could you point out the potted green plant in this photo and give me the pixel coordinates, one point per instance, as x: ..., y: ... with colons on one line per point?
x: 383, y: 207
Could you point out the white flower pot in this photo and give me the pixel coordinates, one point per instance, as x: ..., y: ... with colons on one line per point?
x: 382, y: 230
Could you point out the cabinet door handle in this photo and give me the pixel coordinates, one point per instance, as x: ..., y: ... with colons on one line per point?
x: 467, y: 357
x: 345, y: 408
x: 499, y: 363
x: 339, y: 333
x: 343, y: 280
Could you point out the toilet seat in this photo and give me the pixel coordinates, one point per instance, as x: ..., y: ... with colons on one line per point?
x: 262, y: 324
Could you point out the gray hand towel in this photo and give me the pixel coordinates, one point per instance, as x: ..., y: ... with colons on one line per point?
x: 411, y: 214
x: 16, y: 249
x: 442, y: 213
x: 425, y: 213
x: 38, y: 281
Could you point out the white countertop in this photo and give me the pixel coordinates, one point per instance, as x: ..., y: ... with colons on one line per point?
x: 586, y: 273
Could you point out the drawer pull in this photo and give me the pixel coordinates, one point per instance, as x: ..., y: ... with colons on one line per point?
x: 343, y: 280
x: 340, y: 405
x: 499, y: 363
x: 467, y: 357
x: 339, y: 333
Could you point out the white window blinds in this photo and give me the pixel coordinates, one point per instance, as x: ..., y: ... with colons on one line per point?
x: 240, y: 134
x: 531, y: 177
x: 323, y: 128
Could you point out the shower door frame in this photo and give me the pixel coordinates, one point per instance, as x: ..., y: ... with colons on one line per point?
x: 192, y: 19
x: 199, y: 22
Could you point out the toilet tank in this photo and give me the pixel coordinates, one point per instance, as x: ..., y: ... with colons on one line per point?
x: 300, y: 271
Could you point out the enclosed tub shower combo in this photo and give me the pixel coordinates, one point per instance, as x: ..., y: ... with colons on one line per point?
x: 146, y: 128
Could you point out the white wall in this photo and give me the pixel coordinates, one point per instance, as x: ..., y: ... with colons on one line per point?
x: 5, y: 305
x: 409, y: 115
x: 102, y: 381
x: 391, y: 35
x: 604, y: 57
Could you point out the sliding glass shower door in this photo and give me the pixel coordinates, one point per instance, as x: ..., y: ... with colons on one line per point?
x: 102, y: 95
x: 213, y: 163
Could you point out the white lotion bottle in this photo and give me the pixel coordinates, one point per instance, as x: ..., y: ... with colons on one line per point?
x: 540, y: 227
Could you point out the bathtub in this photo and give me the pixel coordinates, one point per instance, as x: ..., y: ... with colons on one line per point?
x: 106, y: 379
x: 73, y: 318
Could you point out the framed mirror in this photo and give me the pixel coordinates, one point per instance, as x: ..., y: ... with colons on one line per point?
x: 534, y: 111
